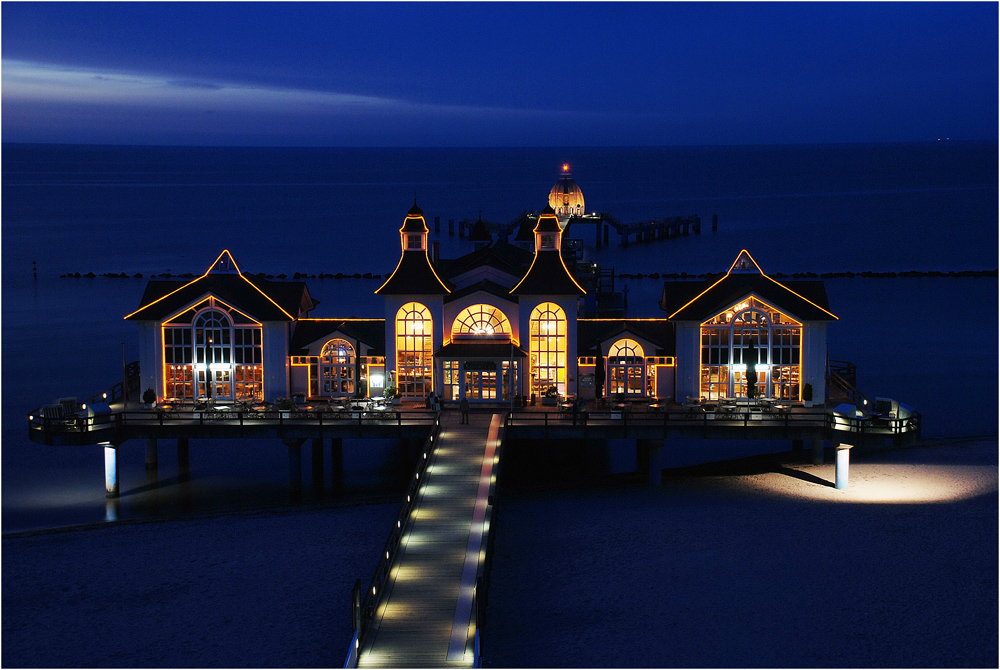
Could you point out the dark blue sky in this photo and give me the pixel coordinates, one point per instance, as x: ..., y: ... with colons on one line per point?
x: 505, y: 74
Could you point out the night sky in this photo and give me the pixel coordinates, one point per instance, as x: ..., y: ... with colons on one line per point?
x: 510, y: 74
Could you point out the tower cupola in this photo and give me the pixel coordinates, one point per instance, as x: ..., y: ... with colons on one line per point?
x: 414, y: 274
x: 566, y: 198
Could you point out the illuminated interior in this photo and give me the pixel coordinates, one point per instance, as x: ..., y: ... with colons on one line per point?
x: 548, y: 348
x: 626, y: 368
x: 481, y: 321
x: 414, y: 350
x: 727, y: 341
x: 212, y: 350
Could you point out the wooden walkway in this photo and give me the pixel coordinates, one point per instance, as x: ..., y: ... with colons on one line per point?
x: 424, y: 616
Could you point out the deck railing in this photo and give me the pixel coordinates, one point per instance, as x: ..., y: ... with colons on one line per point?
x: 481, y: 593
x: 225, y: 417
x: 365, y: 600
x: 741, y: 417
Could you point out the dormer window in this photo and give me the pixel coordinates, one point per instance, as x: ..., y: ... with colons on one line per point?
x: 548, y: 242
x: 414, y: 242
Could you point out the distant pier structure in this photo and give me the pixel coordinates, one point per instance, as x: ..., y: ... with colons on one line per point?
x: 566, y: 198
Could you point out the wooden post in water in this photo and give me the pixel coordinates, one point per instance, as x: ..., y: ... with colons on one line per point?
x: 437, y: 224
x: 451, y: 226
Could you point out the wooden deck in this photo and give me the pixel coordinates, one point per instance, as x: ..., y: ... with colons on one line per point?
x: 424, y: 618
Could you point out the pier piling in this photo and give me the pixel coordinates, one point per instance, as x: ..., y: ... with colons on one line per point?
x: 317, y: 464
x: 451, y: 226
x: 183, y: 459
x: 843, y: 465
x: 151, y: 460
x: 817, y: 452
x: 437, y: 224
x: 337, y: 465
x: 294, y: 467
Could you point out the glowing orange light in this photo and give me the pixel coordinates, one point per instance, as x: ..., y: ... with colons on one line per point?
x: 565, y: 167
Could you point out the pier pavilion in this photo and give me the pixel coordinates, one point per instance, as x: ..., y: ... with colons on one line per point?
x: 498, y: 323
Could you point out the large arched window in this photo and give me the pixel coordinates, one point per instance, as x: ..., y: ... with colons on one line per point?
x: 751, y: 333
x: 414, y: 350
x: 336, y: 368
x: 217, y: 354
x: 548, y: 348
x: 481, y: 321
x: 626, y: 368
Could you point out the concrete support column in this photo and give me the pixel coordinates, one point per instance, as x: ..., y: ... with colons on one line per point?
x: 151, y: 461
x: 111, y: 471
x: 294, y: 467
x: 183, y: 459
x: 317, y: 464
x: 843, y: 464
x: 817, y: 452
x: 337, y: 465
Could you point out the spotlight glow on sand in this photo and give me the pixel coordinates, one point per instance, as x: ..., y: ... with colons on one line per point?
x: 884, y: 483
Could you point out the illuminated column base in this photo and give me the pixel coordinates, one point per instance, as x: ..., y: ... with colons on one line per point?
x: 111, y: 471
x: 183, y: 459
x: 151, y: 460
x: 817, y: 452
x: 843, y: 464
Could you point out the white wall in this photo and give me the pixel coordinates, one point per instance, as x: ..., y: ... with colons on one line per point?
x: 150, y: 358
x: 274, y: 356
x: 814, y: 358
x: 688, y: 359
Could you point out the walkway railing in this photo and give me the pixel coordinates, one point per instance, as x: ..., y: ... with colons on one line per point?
x: 364, y: 599
x: 481, y: 594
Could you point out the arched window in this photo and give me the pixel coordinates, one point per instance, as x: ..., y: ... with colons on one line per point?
x: 336, y: 368
x: 548, y: 348
x: 481, y: 321
x: 626, y: 368
x: 414, y: 350
x: 751, y: 333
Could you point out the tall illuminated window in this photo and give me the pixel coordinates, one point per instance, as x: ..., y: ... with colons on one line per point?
x: 481, y: 321
x: 751, y: 333
x: 548, y: 348
x: 414, y: 350
x: 626, y: 368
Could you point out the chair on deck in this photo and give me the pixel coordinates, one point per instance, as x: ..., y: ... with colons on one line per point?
x: 883, y: 407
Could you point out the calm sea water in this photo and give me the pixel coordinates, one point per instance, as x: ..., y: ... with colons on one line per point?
x: 929, y: 342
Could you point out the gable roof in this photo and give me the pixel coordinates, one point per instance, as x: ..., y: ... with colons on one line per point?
x: 590, y: 333
x: 486, y: 286
x: 308, y: 331
x: 805, y: 300
x: 500, y: 255
x: 262, y: 299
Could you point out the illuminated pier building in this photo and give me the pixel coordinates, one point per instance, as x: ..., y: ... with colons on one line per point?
x: 498, y: 322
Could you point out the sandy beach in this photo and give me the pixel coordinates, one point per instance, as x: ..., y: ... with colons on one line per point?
x: 747, y: 564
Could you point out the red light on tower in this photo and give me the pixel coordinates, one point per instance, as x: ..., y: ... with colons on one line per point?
x: 565, y: 167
